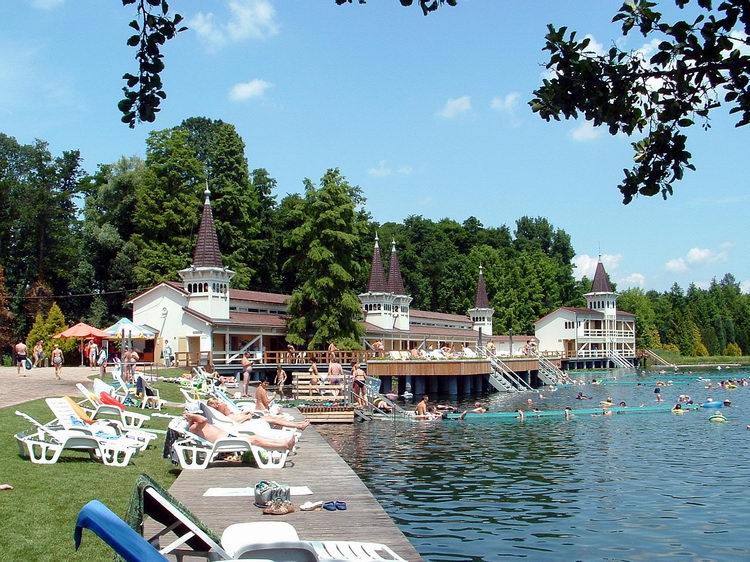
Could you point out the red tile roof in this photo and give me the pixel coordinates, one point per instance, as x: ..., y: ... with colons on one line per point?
x: 257, y: 319
x: 258, y: 296
x: 462, y: 318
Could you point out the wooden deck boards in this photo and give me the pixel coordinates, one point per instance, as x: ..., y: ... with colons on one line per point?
x: 315, y: 465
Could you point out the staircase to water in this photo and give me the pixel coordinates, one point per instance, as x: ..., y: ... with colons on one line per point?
x: 619, y: 360
x: 503, y: 378
x: 549, y: 373
x: 657, y: 358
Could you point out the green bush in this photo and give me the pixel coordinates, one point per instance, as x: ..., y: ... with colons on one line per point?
x: 672, y: 348
x: 733, y: 350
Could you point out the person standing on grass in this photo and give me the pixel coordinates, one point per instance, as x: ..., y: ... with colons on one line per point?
x: 57, y: 361
x: 102, y: 361
x: 167, y: 354
x: 22, y: 352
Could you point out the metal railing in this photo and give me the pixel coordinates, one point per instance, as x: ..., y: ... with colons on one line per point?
x: 549, y: 373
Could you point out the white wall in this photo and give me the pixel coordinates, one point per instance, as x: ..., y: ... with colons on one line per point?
x: 551, y: 330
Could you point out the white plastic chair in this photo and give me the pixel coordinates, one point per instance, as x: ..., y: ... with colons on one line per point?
x: 129, y: 420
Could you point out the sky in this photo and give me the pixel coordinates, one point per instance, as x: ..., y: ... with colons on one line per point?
x: 428, y: 115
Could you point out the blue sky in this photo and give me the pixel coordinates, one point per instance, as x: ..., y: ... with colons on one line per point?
x: 427, y: 114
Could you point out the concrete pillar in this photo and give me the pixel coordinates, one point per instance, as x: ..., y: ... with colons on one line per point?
x: 419, y: 386
x: 385, y: 385
x: 453, y: 386
x: 433, y: 385
x: 468, y: 388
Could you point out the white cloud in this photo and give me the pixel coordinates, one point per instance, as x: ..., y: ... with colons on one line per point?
x: 46, y: 4
x: 648, y: 49
x: 585, y: 132
x: 634, y: 280
x: 594, y: 47
x: 702, y: 284
x: 698, y: 256
x: 676, y: 265
x: 455, y: 106
x: 505, y: 103
x: 745, y: 286
x: 381, y: 170
x: 585, y: 264
x: 248, y: 90
x: 248, y: 19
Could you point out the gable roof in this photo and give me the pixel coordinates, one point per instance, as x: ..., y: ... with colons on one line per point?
x: 170, y: 284
x: 461, y: 318
x: 258, y: 296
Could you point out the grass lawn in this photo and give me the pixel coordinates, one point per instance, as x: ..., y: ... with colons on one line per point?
x: 37, y: 518
x: 678, y: 359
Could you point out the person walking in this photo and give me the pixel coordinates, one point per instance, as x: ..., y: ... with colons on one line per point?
x: 247, y: 372
x: 38, y: 353
x: 102, y: 361
x: 358, y: 384
x: 57, y: 361
x: 280, y: 380
x: 22, y: 353
x: 167, y: 353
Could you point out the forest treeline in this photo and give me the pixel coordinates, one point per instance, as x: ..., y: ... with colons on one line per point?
x: 90, y: 241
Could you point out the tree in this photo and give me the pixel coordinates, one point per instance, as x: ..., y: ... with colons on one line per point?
x: 6, y: 316
x: 733, y: 350
x: 325, y: 307
x: 167, y: 206
x: 698, y: 61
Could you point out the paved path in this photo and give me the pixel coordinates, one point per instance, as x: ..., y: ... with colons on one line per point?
x: 40, y: 383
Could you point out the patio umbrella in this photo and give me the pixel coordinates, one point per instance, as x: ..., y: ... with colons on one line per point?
x: 81, y: 331
x: 125, y: 327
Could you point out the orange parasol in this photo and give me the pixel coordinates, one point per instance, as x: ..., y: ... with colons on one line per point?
x: 81, y: 330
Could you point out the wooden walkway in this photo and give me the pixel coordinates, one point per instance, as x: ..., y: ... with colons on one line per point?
x: 315, y: 465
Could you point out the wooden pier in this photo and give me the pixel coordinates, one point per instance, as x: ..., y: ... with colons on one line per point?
x: 315, y: 465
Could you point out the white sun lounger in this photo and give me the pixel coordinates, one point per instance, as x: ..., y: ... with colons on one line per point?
x: 272, y: 540
x: 46, y: 446
x: 195, y: 453
x: 68, y: 418
x: 129, y: 420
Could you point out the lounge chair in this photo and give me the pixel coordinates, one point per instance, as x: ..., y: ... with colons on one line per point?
x: 129, y: 420
x: 47, y: 444
x: 469, y: 353
x: 148, y: 396
x: 195, y: 453
x: 256, y: 426
x: 267, y: 540
x: 70, y: 416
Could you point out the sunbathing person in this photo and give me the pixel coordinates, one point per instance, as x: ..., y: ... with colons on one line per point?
x: 262, y: 401
x: 245, y: 417
x: 199, y: 426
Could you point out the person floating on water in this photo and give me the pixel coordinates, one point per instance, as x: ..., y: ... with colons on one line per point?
x: 568, y: 412
x: 582, y: 396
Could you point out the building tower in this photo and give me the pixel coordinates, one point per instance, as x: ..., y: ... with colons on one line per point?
x: 603, y: 299
x: 400, y: 300
x: 207, y: 280
x: 376, y: 300
x: 481, y: 314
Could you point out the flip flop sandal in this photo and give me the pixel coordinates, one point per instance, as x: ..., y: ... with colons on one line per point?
x: 329, y: 506
x: 340, y: 505
x: 311, y: 506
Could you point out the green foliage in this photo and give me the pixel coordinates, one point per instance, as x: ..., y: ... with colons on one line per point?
x: 6, y: 316
x: 38, y: 332
x: 325, y: 307
x: 672, y: 348
x: 733, y: 350
x: 697, y: 62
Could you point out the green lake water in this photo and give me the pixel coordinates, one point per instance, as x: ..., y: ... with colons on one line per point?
x: 623, y: 487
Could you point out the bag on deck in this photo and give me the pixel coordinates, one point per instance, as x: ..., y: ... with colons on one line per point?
x: 267, y: 491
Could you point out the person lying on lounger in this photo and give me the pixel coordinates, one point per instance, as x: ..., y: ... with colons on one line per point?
x: 243, y: 417
x: 199, y: 426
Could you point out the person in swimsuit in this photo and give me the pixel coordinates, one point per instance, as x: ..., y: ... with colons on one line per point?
x: 280, y: 380
x: 247, y: 372
x: 314, y: 377
x: 241, y: 417
x: 358, y: 384
x: 57, y: 361
x: 421, y: 410
x: 199, y: 426
x: 22, y: 353
x: 262, y: 401
x: 38, y: 353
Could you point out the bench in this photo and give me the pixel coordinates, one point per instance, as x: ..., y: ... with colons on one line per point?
x: 303, y: 389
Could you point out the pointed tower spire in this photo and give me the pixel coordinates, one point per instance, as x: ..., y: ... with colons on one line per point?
x: 207, y: 252
x: 481, y: 300
x: 601, y: 281
x: 395, y: 281
x: 377, y: 283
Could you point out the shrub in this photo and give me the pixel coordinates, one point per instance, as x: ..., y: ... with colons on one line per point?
x: 733, y: 350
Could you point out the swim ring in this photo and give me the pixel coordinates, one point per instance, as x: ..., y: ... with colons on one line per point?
x: 714, y: 404
x: 718, y: 418
x: 678, y: 411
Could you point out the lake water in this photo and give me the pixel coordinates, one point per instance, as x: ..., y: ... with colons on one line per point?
x: 624, y: 487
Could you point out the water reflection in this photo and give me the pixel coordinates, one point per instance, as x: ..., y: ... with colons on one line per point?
x: 626, y: 487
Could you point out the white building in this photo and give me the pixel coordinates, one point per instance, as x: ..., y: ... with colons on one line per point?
x: 599, y: 332
x: 202, y: 317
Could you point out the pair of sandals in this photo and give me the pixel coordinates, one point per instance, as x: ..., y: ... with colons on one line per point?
x: 328, y: 506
